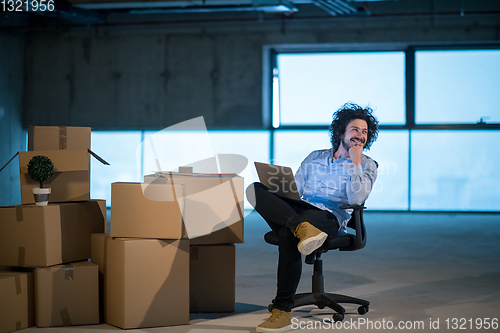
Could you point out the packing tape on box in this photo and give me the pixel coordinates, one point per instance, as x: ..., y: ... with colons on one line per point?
x: 19, y: 214
x: 21, y: 256
x: 63, y: 132
x: 68, y: 272
x: 66, y: 319
x: 18, y: 285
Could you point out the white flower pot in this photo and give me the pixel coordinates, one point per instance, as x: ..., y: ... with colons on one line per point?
x: 41, y: 196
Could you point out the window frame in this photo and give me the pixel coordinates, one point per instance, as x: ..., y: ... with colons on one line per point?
x: 270, y: 62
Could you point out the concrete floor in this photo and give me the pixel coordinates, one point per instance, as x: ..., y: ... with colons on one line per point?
x: 429, y: 272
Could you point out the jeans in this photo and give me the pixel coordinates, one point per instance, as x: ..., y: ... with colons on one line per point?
x: 283, y: 216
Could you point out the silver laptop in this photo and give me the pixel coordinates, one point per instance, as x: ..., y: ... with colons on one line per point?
x: 278, y: 179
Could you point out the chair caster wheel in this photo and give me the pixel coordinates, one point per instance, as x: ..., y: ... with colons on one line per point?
x: 321, y: 306
x: 338, y: 317
x: 270, y: 307
x: 363, y: 309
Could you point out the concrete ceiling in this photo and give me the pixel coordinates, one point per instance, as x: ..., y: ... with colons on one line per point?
x: 112, y: 12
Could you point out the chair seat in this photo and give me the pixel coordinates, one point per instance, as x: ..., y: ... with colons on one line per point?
x: 331, y: 243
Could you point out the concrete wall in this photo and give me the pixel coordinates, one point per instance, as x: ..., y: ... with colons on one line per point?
x: 12, y: 135
x: 142, y: 81
x: 150, y: 77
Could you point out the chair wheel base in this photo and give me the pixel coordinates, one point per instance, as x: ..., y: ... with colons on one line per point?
x: 338, y: 317
x: 363, y: 309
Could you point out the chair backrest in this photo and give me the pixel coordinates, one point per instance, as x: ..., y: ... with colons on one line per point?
x: 357, y: 223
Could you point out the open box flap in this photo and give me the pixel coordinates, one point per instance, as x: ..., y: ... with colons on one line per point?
x: 64, y: 160
x: 13, y: 157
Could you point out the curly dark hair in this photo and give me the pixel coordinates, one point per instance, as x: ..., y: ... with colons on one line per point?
x: 343, y: 116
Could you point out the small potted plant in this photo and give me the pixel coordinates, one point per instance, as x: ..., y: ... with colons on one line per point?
x: 40, y: 168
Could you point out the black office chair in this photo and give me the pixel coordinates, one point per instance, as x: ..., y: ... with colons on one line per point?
x: 349, y: 242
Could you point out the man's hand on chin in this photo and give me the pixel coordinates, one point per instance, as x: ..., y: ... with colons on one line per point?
x: 355, y: 153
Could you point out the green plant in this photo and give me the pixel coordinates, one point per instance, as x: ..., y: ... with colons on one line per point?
x: 40, y: 168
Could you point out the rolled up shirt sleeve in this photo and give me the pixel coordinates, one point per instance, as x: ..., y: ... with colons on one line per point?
x: 361, y: 180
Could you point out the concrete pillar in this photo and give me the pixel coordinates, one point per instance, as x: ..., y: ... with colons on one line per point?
x: 12, y: 134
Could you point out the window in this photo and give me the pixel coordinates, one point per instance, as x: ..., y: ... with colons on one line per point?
x: 457, y: 87
x: 253, y: 145
x: 131, y: 158
x: 167, y: 150
x: 119, y: 150
x: 291, y: 147
x: 435, y: 154
x: 390, y: 151
x: 312, y: 86
x: 455, y: 170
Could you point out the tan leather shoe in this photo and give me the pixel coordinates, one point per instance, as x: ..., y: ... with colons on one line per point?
x: 311, y: 238
x: 280, y: 321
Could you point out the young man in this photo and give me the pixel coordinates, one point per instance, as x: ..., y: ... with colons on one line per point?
x: 326, y: 179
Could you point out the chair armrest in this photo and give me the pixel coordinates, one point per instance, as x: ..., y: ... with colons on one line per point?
x: 356, y: 222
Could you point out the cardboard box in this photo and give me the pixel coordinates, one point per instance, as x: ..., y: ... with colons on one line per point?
x: 67, y: 295
x: 33, y: 235
x: 71, y: 178
x: 134, y: 215
x: 16, y: 306
x: 99, y: 257
x: 58, y: 137
x: 211, y: 206
x: 147, y: 283
x: 212, y: 278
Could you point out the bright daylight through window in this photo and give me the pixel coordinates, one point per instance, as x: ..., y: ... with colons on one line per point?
x: 420, y: 168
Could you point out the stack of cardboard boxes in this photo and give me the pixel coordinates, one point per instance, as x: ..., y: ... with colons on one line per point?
x: 171, y: 249
x: 45, y: 276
